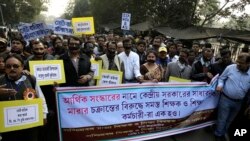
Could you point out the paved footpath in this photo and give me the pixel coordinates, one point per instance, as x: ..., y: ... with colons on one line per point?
x: 203, y: 134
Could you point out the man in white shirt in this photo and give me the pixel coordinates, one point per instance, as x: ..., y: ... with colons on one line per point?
x: 130, y: 63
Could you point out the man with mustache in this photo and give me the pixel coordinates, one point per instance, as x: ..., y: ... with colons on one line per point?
x: 233, y: 85
x: 38, y: 54
x: 13, y: 86
x: 77, y: 65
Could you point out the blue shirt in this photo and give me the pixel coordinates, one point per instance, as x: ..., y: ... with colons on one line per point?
x: 235, y: 83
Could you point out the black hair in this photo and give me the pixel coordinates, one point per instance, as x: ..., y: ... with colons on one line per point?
x: 208, y: 45
x: 126, y: 40
x: 101, y: 37
x: 172, y: 44
x: 20, y: 39
x: 224, y: 52
x: 244, y: 56
x: 196, y: 43
x: 112, y: 42
x: 75, y: 38
x: 54, y: 40
x: 141, y: 42
x: 245, y: 49
x: 151, y: 51
x: 185, y: 50
x: 16, y: 56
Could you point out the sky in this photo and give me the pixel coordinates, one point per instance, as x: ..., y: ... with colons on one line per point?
x: 56, y: 7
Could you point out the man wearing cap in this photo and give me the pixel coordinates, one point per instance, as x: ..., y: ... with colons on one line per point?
x: 163, y: 60
x: 3, y: 47
x: 162, y: 57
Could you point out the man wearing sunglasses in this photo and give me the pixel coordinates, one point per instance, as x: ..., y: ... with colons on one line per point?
x: 13, y: 86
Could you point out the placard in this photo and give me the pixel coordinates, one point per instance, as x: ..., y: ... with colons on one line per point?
x: 83, y: 25
x: 63, y: 27
x: 48, y: 71
x: 96, y: 66
x: 20, y: 114
x: 177, y: 79
x: 31, y: 31
x: 125, y: 25
x: 109, y: 78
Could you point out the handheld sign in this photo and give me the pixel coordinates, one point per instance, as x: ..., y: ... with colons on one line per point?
x: 96, y: 66
x: 126, y: 21
x: 48, y: 71
x: 63, y: 27
x: 109, y: 77
x: 84, y: 25
x: 177, y: 79
x: 32, y: 31
x: 20, y: 114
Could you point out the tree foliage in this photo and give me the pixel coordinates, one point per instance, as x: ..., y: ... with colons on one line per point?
x: 17, y: 11
x: 173, y: 13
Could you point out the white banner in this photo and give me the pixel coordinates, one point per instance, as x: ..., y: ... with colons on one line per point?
x: 126, y: 17
x: 63, y: 27
x: 33, y: 31
x: 122, y: 104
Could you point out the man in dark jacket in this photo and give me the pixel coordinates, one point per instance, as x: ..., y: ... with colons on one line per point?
x: 220, y: 65
x: 201, y: 67
x: 77, y: 66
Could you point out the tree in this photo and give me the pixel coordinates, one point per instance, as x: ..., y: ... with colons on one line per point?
x: 80, y: 8
x: 173, y: 13
x: 22, y: 10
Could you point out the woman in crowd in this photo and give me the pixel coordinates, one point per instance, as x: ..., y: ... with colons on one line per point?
x: 151, y: 71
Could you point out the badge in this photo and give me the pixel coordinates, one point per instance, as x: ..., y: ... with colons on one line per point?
x: 29, y: 94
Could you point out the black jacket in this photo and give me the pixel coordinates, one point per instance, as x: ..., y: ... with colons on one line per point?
x: 197, y: 72
x: 71, y: 75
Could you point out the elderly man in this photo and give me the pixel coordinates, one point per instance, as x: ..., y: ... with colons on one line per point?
x: 14, y: 86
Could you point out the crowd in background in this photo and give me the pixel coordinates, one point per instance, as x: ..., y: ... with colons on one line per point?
x: 141, y: 59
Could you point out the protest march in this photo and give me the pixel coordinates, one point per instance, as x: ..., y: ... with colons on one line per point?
x: 70, y: 81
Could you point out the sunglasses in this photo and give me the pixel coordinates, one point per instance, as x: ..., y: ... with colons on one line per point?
x: 15, y: 66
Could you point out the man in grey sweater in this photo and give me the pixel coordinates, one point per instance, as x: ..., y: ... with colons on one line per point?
x: 181, y: 68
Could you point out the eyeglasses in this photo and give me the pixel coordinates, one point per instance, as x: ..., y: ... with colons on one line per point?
x: 15, y: 66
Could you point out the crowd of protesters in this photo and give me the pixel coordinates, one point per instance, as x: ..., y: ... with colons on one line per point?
x: 141, y: 59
